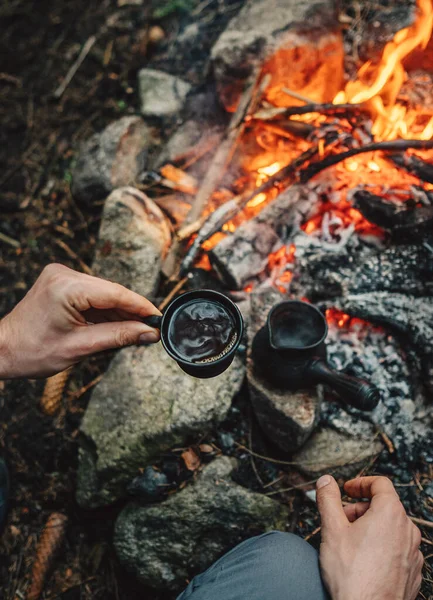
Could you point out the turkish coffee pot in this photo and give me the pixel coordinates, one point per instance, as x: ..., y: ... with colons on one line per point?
x: 290, y: 352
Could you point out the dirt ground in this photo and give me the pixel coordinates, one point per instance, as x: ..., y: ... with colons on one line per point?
x: 39, y: 135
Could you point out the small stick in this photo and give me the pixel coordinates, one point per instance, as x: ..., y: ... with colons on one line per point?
x: 76, y: 395
x: 297, y: 96
x: 324, y: 109
x: 46, y: 550
x: 8, y: 240
x: 173, y: 292
x: 397, y: 145
x: 388, y: 443
x: 74, y: 256
x: 422, y: 522
x: 58, y: 93
x: 312, y: 534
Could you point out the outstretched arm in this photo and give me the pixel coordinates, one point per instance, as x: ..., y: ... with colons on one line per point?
x: 67, y: 316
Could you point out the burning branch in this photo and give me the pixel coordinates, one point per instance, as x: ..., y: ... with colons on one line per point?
x: 394, y: 146
x: 415, y: 166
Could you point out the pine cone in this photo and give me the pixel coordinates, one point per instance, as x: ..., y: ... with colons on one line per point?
x: 46, y: 550
x: 53, y: 392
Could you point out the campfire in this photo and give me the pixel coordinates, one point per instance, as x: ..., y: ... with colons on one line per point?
x: 317, y: 200
x: 356, y: 167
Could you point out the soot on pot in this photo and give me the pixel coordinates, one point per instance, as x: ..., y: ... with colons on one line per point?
x: 202, y: 331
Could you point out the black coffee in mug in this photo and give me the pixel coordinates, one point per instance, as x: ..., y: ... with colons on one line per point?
x: 202, y: 331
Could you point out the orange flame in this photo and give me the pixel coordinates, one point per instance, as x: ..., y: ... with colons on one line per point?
x: 378, y: 85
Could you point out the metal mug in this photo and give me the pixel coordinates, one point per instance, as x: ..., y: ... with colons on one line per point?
x: 290, y: 352
x: 215, y: 365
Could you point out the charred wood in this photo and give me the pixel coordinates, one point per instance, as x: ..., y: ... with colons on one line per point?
x: 406, y: 223
x: 338, y: 110
x: 414, y: 165
x: 332, y: 160
x: 289, y: 128
x: 244, y: 254
x: 409, y: 317
x: 399, y: 269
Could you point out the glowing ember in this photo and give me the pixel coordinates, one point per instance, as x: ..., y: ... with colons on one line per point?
x: 271, y: 169
x: 341, y: 320
x: 340, y: 215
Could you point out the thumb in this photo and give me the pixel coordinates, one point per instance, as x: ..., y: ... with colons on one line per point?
x: 106, y: 336
x: 329, y: 503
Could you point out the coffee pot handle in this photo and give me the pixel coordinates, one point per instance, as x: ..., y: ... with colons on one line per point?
x: 355, y: 391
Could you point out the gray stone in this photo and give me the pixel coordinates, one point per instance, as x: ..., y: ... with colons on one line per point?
x: 161, y: 94
x: 165, y: 545
x: 286, y: 417
x: 144, y: 406
x: 110, y: 159
x: 185, y: 138
x: 287, y: 37
x: 330, y: 451
x: 133, y: 239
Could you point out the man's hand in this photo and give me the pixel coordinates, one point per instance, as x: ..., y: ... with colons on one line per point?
x: 370, y: 550
x: 67, y: 316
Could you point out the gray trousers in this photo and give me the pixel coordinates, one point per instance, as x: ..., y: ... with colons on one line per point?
x: 273, y: 566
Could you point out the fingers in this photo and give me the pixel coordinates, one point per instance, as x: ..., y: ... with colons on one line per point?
x: 329, y: 503
x: 91, y: 292
x: 368, y: 487
x: 354, y: 511
x: 105, y: 336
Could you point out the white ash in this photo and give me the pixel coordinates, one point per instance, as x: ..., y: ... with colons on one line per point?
x: 373, y: 354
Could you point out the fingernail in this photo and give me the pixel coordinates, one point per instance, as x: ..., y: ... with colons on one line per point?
x: 150, y: 337
x: 324, y: 480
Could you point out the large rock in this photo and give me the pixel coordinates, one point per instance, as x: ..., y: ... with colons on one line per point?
x: 286, y: 417
x: 133, y: 239
x: 167, y: 544
x: 161, y: 94
x: 298, y: 42
x: 330, y: 451
x: 145, y: 405
x: 110, y: 159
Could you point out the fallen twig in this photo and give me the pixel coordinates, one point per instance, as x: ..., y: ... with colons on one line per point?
x: 46, y: 550
x: 10, y: 241
x: 422, y: 522
x: 397, y: 145
x: 73, y: 255
x: 76, y: 395
x: 173, y: 292
x: 58, y: 93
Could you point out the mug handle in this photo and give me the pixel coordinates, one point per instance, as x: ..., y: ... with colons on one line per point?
x: 153, y: 321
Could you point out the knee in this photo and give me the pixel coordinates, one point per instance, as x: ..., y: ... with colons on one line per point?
x: 278, y: 550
